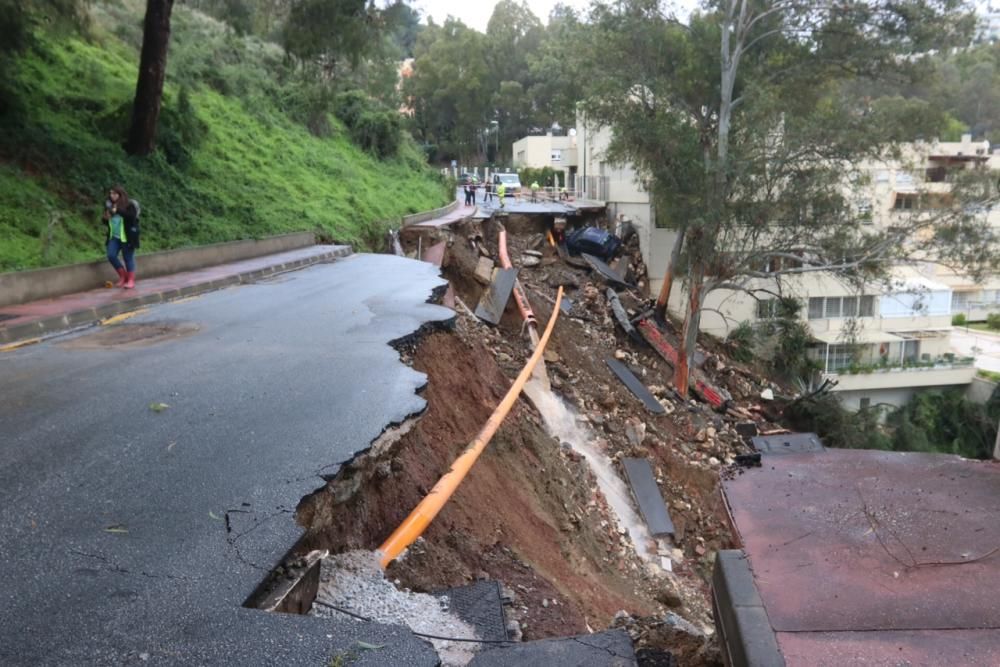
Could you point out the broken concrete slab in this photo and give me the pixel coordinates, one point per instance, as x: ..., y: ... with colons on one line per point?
x: 618, y: 310
x: 647, y: 496
x: 611, y: 648
x: 787, y: 443
x: 636, y: 386
x: 495, y: 298
x: 479, y: 604
x: 605, y: 271
x: 435, y: 253
x: 484, y: 270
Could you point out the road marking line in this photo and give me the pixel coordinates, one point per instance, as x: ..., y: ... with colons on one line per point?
x: 9, y: 347
x: 115, y: 319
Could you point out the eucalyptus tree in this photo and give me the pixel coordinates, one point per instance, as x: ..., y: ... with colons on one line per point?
x: 738, y: 121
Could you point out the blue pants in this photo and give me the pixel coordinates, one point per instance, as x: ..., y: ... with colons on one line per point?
x: 128, y: 252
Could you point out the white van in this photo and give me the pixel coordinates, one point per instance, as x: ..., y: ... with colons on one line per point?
x: 510, y: 181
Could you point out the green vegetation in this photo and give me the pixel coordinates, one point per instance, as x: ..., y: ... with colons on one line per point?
x: 933, y: 421
x: 992, y: 376
x: 247, y: 146
x: 545, y: 176
x: 958, y: 320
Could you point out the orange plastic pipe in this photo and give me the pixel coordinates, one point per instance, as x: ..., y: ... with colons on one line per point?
x: 519, y: 296
x: 422, y: 515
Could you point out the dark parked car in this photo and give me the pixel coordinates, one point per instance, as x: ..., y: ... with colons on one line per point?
x: 593, y: 241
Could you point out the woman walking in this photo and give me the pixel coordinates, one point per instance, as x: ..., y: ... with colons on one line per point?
x: 122, y: 216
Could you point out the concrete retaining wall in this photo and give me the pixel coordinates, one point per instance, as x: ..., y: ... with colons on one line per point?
x: 980, y: 390
x: 429, y: 215
x: 23, y: 286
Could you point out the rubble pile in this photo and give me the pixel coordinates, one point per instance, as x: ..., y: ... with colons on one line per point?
x: 688, y: 446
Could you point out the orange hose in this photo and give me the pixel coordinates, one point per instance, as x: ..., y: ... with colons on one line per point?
x: 519, y: 296
x: 422, y: 515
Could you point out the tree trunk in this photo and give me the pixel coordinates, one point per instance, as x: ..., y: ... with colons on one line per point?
x: 668, y: 278
x: 149, y: 87
x: 689, y: 333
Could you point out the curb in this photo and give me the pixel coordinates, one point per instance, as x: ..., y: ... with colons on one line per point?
x: 745, y: 633
x: 77, y: 318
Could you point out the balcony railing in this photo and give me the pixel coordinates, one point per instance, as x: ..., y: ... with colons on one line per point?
x: 941, y: 363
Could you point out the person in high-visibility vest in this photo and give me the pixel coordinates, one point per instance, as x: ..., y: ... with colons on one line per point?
x: 501, y: 192
x: 122, y: 216
x: 534, y: 191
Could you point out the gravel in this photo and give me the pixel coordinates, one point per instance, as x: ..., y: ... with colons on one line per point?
x: 354, y: 581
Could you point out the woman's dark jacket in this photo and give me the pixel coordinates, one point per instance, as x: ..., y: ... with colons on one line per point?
x: 130, y: 221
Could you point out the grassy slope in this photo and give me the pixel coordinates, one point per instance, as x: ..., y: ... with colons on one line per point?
x: 255, y: 173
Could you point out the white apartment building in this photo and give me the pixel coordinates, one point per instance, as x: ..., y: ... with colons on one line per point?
x: 880, y: 345
x: 538, y: 152
x: 921, y: 180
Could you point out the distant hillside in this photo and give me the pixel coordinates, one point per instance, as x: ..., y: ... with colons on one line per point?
x: 235, y: 157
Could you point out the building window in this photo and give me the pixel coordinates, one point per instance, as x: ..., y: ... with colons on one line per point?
x: 816, y: 308
x: 905, y: 202
x: 865, y: 402
x: 960, y: 300
x: 839, y: 357
x: 556, y: 155
x: 841, y: 306
x: 767, y: 309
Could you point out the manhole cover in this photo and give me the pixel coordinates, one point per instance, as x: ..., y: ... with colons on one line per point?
x: 131, y: 335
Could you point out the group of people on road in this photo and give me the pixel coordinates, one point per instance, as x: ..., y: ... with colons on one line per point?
x: 489, y: 191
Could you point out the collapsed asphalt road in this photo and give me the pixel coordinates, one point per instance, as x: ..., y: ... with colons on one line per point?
x: 147, y: 485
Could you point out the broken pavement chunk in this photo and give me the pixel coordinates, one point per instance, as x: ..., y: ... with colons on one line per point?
x: 605, y: 271
x: 484, y: 270
x: 618, y: 310
x: 647, y: 496
x: 635, y: 386
x: 495, y: 298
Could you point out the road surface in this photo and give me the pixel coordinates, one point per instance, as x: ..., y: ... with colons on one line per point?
x: 147, y: 487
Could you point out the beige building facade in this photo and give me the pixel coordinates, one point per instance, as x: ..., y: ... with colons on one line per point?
x: 880, y: 345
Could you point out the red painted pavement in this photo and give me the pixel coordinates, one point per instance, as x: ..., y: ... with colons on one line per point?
x: 869, y: 557
x: 70, y: 303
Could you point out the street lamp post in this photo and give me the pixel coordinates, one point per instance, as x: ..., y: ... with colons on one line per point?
x: 497, y: 156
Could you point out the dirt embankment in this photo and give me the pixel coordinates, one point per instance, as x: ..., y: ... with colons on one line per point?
x: 530, y: 514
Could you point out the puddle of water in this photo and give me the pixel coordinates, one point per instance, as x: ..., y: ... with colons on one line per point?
x: 563, y: 423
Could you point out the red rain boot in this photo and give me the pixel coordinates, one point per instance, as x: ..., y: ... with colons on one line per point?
x: 130, y: 283
x: 121, y: 277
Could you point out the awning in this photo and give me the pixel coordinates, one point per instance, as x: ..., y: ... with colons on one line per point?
x: 862, y: 337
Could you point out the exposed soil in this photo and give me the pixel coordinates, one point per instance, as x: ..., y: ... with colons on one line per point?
x: 529, y: 514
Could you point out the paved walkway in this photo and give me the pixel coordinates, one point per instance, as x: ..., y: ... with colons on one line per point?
x: 985, y: 347
x: 37, y: 318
